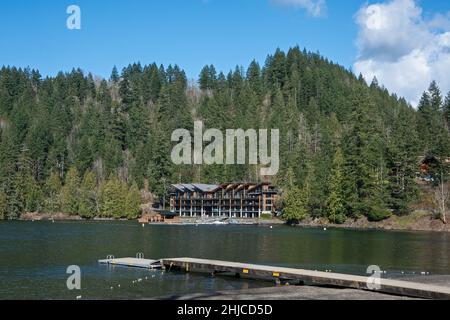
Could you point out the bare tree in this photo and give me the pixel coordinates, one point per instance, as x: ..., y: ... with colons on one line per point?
x: 441, y: 197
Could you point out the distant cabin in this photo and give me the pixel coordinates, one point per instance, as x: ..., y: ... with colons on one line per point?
x: 428, y: 164
x: 159, y: 217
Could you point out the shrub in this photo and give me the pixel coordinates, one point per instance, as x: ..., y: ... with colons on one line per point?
x: 266, y: 216
x: 378, y: 214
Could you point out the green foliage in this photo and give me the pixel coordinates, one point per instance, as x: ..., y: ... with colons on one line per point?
x: 53, y: 190
x: 295, y: 206
x: 66, y: 127
x: 70, y: 192
x: 113, y: 194
x: 34, y: 197
x: 266, y: 216
x: 402, y: 154
x: 207, y: 78
x: 3, y: 205
x: 336, y: 202
x: 378, y: 214
x: 114, y: 75
x: 133, y: 203
x: 88, y: 196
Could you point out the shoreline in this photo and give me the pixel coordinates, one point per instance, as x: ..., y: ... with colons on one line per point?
x: 292, y: 292
x: 305, y: 292
x: 419, y: 221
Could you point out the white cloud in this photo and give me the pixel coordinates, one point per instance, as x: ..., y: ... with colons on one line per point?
x: 315, y: 8
x: 403, y: 49
x: 441, y: 21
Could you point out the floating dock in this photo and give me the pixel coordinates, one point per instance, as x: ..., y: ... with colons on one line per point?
x: 133, y: 263
x: 396, y: 287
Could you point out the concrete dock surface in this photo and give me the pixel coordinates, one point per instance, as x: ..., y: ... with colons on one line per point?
x: 309, y: 292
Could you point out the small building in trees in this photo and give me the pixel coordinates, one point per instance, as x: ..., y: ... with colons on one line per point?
x: 429, y: 167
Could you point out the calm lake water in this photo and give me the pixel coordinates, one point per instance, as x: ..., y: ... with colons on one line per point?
x: 34, y: 256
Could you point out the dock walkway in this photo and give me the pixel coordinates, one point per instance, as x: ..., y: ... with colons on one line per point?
x: 397, y: 287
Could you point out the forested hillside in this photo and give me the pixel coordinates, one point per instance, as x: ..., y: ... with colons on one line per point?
x: 81, y: 145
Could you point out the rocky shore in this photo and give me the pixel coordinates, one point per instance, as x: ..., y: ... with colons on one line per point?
x: 417, y: 221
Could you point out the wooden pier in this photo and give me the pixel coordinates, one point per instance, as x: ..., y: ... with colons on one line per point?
x: 133, y: 263
x: 396, y: 287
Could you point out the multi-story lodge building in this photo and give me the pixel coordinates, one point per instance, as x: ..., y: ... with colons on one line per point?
x: 233, y: 200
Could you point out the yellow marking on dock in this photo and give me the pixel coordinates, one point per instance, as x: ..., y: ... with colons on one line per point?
x: 397, y: 287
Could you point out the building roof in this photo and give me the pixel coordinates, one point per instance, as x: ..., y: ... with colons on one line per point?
x: 196, y: 186
x: 206, y: 187
x: 191, y: 187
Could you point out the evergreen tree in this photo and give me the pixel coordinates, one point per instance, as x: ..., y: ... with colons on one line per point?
x: 114, y: 75
x: 133, y: 202
x: 53, y: 192
x: 208, y: 77
x: 254, y: 77
x: 88, y: 196
x: 447, y: 111
x: 122, y: 128
x: 337, y: 208
x: 295, y: 205
x: 3, y: 205
x: 364, y: 160
x: 30, y: 191
x: 402, y: 154
x: 70, y: 192
x: 113, y: 195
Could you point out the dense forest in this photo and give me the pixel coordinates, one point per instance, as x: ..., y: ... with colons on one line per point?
x: 82, y: 145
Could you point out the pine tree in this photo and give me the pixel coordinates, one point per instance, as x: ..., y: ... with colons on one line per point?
x: 254, y: 77
x: 364, y: 158
x: 114, y: 75
x: 435, y: 96
x: 67, y: 120
x: 432, y: 127
x: 53, y: 190
x: 14, y: 195
x: 113, y: 199
x: 133, y: 203
x: 447, y: 111
x: 30, y: 190
x: 402, y: 154
x: 70, y: 192
x: 3, y: 205
x: 295, y: 205
x: 312, y: 190
x: 88, y: 196
x: 337, y: 208
x: 425, y: 121
x: 10, y: 181
x: 208, y: 78
x: 34, y: 198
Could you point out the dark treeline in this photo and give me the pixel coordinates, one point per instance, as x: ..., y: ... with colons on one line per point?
x: 81, y: 145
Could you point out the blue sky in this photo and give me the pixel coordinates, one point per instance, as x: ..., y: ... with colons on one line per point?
x: 191, y: 33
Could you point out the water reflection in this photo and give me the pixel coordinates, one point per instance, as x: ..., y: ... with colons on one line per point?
x: 34, y: 255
